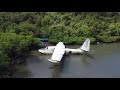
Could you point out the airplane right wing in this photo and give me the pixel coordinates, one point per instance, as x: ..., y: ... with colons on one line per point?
x: 58, y: 53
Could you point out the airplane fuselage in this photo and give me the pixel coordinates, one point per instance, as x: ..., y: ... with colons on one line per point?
x: 67, y: 51
x: 73, y: 51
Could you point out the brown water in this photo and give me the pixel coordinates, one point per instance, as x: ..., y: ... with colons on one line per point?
x: 103, y: 62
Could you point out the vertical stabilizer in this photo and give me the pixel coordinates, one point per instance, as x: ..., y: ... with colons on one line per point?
x: 86, y: 45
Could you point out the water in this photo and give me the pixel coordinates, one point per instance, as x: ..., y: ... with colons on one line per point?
x: 103, y: 62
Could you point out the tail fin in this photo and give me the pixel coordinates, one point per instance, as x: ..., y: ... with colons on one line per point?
x: 86, y: 45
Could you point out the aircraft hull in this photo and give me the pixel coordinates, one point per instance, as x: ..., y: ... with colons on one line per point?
x: 67, y: 51
x: 44, y: 51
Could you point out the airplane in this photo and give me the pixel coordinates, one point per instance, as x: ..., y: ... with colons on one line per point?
x: 59, y: 50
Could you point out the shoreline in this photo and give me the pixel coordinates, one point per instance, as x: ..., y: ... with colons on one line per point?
x: 95, y: 43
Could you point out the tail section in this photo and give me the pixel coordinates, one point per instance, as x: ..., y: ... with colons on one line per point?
x: 86, y: 45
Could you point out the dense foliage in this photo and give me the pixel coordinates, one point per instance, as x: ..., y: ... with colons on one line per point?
x: 69, y: 27
x: 19, y: 30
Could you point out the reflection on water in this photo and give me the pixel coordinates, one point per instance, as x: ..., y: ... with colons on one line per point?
x: 57, y: 69
x: 87, y: 59
x: 102, y: 61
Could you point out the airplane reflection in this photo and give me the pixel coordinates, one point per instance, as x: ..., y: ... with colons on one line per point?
x: 60, y: 68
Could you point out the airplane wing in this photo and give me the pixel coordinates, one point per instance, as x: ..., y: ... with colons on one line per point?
x: 58, y: 53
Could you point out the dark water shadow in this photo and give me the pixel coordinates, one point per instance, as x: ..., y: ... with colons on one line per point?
x: 25, y: 70
x: 20, y: 71
x: 34, y: 59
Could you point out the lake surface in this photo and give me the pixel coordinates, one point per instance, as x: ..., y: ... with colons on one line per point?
x: 102, y: 62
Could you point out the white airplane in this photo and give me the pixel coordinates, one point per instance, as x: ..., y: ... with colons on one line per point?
x: 59, y: 50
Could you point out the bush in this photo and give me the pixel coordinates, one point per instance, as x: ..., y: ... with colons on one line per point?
x: 92, y: 40
x: 13, y: 46
x: 79, y: 40
x: 108, y: 39
x: 53, y: 40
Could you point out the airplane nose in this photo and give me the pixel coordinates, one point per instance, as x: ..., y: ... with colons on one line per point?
x: 39, y: 50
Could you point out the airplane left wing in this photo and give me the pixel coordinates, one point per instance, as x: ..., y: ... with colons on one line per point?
x: 58, y: 53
